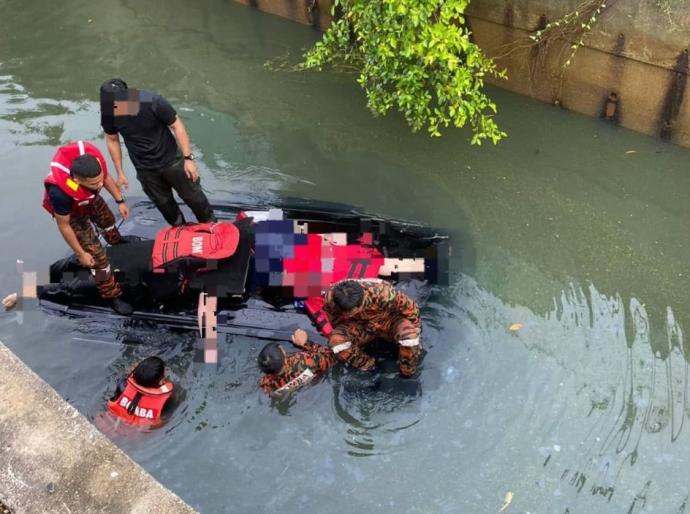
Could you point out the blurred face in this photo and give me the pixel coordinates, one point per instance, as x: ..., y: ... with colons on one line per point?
x: 126, y: 107
x: 92, y: 184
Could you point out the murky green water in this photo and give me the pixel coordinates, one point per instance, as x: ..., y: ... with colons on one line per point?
x: 576, y: 229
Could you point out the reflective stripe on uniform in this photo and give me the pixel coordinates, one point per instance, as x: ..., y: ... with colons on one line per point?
x: 302, y: 379
x: 409, y: 342
x: 60, y: 166
x: 82, y: 151
x: 342, y: 346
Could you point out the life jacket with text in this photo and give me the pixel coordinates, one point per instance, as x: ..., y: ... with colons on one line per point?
x: 202, y: 241
x: 60, y: 176
x: 139, y: 405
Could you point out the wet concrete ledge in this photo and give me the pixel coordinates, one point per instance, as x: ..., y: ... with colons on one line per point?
x: 53, y: 460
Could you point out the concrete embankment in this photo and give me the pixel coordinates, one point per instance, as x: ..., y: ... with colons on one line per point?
x: 633, y: 66
x: 53, y: 460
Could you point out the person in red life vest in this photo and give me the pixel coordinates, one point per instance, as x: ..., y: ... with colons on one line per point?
x: 144, y: 395
x: 285, y: 373
x: 72, y: 196
x: 361, y: 311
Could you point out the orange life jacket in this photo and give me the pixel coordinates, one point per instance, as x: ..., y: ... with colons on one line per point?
x: 60, y: 176
x: 203, y: 241
x: 141, y: 406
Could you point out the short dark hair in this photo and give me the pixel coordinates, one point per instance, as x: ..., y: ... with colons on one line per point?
x: 85, y: 166
x: 348, y: 295
x: 149, y: 372
x: 271, y: 359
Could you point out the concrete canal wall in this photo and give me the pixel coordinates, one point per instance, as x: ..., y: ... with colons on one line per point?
x: 636, y: 51
x: 52, y: 460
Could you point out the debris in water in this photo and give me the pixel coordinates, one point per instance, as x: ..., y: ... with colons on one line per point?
x: 507, y: 501
x: 10, y: 301
x: 631, y: 151
x: 515, y: 327
x: 4, y: 509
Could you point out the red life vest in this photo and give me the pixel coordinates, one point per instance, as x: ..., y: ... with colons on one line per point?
x: 59, y: 176
x: 148, y: 407
x: 198, y: 241
x: 314, y: 307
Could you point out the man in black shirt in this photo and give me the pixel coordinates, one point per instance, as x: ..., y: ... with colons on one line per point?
x: 146, y: 122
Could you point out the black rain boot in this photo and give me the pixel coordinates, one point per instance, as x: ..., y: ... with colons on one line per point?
x: 121, y: 307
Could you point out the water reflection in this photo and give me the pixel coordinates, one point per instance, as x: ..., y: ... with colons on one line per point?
x: 584, y: 391
x: 32, y: 121
x: 637, y: 393
x: 582, y: 410
x: 373, y: 408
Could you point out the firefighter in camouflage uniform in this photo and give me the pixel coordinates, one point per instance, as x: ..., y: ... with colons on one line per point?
x: 284, y: 373
x: 367, y: 309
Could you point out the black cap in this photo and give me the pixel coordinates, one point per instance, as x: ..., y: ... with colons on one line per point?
x: 114, y: 89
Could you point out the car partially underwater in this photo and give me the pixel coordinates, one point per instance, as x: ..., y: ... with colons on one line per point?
x: 261, y: 268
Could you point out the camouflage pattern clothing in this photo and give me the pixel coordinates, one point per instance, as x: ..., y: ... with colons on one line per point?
x: 101, y: 215
x: 299, y: 369
x: 385, y: 313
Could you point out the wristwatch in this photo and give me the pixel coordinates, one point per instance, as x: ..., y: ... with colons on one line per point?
x: 120, y: 201
x: 189, y: 157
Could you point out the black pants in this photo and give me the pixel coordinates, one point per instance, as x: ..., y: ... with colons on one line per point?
x: 158, y: 186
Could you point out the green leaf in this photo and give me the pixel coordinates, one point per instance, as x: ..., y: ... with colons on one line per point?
x: 416, y: 55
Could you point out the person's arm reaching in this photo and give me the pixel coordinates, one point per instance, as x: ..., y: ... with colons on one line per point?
x: 112, y: 141
x: 322, y: 356
x: 182, y: 137
x: 300, y: 339
x: 85, y: 258
x: 114, y: 191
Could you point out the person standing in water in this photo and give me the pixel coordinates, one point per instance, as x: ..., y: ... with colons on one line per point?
x: 146, y: 121
x: 285, y: 373
x: 363, y: 310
